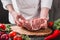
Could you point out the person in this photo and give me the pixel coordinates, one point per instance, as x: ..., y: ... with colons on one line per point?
x: 27, y: 10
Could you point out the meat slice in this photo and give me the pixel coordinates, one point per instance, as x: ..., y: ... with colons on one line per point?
x: 27, y: 25
x: 33, y: 24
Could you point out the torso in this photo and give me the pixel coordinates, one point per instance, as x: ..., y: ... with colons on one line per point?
x: 28, y: 8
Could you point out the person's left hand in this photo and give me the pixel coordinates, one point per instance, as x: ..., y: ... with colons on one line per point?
x: 43, y: 23
x: 38, y: 23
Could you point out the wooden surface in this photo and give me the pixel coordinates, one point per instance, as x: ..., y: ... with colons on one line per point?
x: 21, y: 30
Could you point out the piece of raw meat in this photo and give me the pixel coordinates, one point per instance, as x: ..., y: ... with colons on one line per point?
x: 33, y: 24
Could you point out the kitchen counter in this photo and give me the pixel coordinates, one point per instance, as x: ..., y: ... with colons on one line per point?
x: 33, y: 37
x: 38, y: 37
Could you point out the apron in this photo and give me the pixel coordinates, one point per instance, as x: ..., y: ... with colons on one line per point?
x: 54, y: 13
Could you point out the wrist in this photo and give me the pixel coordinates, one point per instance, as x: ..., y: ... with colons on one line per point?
x: 43, y: 17
x: 13, y: 13
x: 44, y: 12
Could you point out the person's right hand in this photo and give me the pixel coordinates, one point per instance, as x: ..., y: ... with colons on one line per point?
x: 18, y: 18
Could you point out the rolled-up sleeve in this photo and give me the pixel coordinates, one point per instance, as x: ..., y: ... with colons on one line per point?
x: 5, y: 3
x: 46, y: 3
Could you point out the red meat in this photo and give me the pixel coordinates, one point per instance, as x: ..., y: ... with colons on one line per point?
x: 33, y: 24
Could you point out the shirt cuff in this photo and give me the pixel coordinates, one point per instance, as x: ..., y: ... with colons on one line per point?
x: 46, y: 3
x: 5, y: 3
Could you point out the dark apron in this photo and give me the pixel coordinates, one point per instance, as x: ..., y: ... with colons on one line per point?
x: 54, y: 13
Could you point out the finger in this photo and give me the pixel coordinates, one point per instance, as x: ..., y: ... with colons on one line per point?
x: 38, y: 23
x: 44, y: 25
x: 33, y: 22
x: 17, y: 17
x: 27, y: 25
x: 20, y: 16
x: 18, y: 23
x: 23, y: 18
x: 35, y: 26
x: 41, y: 26
x: 22, y: 21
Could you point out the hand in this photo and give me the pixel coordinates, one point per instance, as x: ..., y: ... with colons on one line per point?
x: 38, y: 23
x: 43, y: 23
x: 44, y: 17
x: 16, y: 17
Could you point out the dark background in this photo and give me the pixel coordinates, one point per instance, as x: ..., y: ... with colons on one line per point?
x: 3, y: 14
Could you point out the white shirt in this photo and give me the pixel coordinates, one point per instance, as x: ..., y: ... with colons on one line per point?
x: 28, y: 8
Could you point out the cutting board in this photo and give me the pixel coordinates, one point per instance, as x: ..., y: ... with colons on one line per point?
x: 21, y: 30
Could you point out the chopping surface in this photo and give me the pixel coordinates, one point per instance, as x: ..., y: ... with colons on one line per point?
x: 21, y: 30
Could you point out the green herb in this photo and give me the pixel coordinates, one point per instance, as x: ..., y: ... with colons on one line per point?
x: 57, y: 24
x: 0, y: 29
x: 25, y: 37
x: 8, y: 29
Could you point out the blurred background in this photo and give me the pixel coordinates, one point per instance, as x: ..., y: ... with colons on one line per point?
x: 3, y: 14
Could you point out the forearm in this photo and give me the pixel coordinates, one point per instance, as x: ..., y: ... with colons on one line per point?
x: 10, y: 8
x: 44, y: 12
x: 5, y: 3
x: 45, y: 7
x: 46, y: 3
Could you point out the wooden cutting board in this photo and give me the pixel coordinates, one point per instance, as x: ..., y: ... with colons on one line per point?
x: 21, y: 30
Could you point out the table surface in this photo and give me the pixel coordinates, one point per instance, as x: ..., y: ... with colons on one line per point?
x: 38, y: 38
x: 33, y: 37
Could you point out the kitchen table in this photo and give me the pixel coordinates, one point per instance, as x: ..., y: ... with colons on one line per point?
x: 33, y: 37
